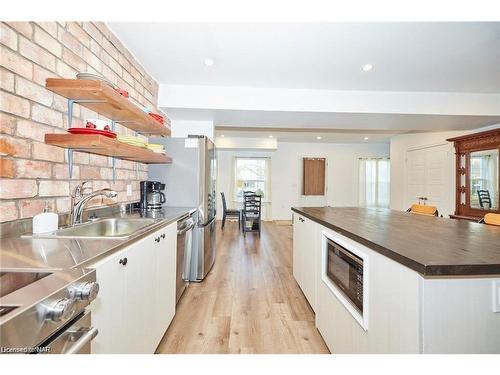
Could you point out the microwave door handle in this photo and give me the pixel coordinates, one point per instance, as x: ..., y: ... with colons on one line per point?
x: 82, y: 341
x: 352, y: 257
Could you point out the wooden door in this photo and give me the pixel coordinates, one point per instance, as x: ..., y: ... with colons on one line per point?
x: 108, y: 307
x: 314, y: 170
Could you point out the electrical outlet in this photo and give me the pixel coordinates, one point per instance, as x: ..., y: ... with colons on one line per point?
x: 495, y: 286
x: 129, y: 190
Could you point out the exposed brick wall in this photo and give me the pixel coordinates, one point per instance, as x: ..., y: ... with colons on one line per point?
x: 31, y: 171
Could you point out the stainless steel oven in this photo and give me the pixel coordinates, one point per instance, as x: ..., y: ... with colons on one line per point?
x: 74, y: 338
x: 345, y: 270
x: 46, y: 311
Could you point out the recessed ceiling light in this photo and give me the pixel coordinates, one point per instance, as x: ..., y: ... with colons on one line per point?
x: 367, y: 67
x: 318, y: 137
x: 209, y: 62
x: 222, y: 135
x: 270, y: 136
x: 366, y: 138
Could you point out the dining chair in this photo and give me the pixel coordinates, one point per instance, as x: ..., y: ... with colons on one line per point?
x: 229, y: 213
x: 251, y: 213
x: 421, y: 209
x: 484, y: 198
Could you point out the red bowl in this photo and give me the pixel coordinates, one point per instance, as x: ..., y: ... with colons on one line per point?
x: 123, y: 93
x: 157, y: 117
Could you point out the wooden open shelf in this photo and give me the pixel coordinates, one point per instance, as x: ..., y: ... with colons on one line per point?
x: 113, y: 105
x: 99, y: 144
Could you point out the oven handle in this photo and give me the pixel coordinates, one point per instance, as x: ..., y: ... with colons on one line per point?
x: 83, y: 340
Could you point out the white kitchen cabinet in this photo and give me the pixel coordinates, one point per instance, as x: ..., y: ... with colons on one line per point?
x: 139, y: 286
x: 136, y: 300
x: 165, y: 284
x: 108, y: 308
x: 305, y: 256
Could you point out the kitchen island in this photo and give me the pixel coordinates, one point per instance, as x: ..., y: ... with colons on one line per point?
x: 428, y: 284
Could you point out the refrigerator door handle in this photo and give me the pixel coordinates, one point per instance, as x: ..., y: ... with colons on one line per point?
x: 207, y: 224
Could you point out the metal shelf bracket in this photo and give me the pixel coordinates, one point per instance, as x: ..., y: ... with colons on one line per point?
x: 69, y: 151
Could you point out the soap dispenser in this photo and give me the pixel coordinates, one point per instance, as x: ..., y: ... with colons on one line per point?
x: 46, y: 221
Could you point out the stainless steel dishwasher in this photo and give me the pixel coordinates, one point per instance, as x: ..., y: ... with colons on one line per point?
x: 184, y: 247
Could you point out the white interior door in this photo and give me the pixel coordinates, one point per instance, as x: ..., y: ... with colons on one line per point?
x: 415, y: 176
x: 429, y: 172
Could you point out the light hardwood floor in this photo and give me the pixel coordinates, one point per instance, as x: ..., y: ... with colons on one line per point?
x: 249, y: 303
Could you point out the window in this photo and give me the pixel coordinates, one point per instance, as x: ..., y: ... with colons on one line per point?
x: 374, y: 182
x: 252, y: 174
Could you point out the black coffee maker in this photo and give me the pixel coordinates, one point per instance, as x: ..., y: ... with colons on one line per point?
x: 152, y: 197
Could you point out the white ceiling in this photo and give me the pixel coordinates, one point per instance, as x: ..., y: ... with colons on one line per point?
x: 448, y: 57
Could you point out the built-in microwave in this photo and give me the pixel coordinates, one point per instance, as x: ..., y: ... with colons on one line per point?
x: 345, y: 270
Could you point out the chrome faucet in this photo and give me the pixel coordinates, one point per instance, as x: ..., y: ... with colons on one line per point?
x: 79, y: 199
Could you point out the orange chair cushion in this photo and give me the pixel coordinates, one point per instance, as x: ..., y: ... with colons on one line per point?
x: 492, y: 219
x: 423, y: 210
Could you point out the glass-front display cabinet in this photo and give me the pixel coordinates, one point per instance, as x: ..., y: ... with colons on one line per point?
x: 477, y: 174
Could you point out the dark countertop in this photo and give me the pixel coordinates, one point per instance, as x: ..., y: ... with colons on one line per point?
x: 432, y: 246
x: 34, y: 254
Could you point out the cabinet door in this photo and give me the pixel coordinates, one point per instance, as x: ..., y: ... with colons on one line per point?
x: 139, y: 286
x: 165, y: 280
x: 107, y: 309
x: 311, y: 254
x: 298, y: 239
x: 305, y: 253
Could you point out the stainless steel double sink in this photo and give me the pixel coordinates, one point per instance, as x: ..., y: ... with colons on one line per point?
x: 112, y: 228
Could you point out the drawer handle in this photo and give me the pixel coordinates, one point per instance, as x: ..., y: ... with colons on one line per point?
x: 163, y: 235
x: 157, y: 239
x: 123, y: 261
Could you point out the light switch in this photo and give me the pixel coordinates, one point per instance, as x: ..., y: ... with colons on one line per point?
x: 495, y: 286
x: 129, y: 190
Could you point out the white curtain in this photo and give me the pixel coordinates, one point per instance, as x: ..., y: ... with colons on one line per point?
x: 374, y: 182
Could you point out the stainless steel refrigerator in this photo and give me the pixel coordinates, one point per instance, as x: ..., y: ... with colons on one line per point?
x: 190, y: 181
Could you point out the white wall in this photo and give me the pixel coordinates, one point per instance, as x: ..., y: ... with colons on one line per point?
x: 183, y: 128
x: 241, y: 143
x: 286, y: 174
x: 398, y: 148
x: 307, y: 100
